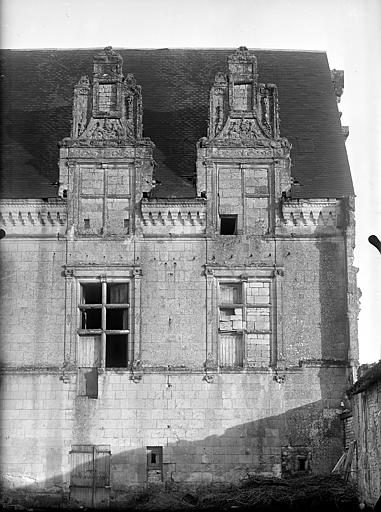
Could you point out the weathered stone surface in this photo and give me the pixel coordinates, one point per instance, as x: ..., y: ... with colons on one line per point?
x: 237, y: 340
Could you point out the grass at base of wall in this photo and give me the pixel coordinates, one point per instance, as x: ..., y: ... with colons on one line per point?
x: 312, y: 493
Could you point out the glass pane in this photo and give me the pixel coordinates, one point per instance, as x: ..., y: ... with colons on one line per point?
x: 116, y: 351
x: 116, y: 319
x: 92, y: 293
x: 117, y: 293
x: 91, y: 319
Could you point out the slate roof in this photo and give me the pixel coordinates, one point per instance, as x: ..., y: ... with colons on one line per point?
x: 37, y: 107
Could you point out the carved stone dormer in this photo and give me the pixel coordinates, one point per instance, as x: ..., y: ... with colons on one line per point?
x: 106, y: 165
x: 242, y: 111
x: 109, y: 109
x: 243, y: 165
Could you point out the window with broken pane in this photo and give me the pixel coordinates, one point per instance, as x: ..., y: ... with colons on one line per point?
x: 104, y: 316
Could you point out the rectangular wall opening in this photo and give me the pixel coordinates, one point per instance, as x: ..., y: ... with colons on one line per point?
x: 154, y: 463
x: 228, y: 224
x: 104, y: 312
x: 116, y: 351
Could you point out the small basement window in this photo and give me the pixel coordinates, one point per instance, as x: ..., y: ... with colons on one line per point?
x: 228, y: 224
x: 154, y: 463
x: 86, y: 223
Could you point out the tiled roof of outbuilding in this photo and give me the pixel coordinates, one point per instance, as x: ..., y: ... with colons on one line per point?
x: 37, y: 107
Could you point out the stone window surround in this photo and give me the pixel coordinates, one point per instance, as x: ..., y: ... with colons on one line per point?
x: 217, y: 275
x: 103, y: 307
x: 78, y: 275
x: 244, y: 306
x: 116, y: 112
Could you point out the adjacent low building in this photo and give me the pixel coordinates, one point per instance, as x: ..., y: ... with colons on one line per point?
x: 363, y: 424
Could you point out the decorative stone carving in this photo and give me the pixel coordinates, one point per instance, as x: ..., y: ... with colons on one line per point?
x: 242, y: 111
x: 173, y: 217
x: 337, y: 77
x: 313, y: 213
x: 109, y: 111
x: 103, y: 129
x: 25, y: 216
x: 81, y: 106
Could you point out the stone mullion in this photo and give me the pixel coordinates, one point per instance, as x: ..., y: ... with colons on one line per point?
x: 244, y: 325
x: 135, y: 317
x: 70, y: 334
x: 243, y: 228
x: 271, y: 199
x: 277, y: 348
x: 211, y: 321
x: 105, y: 205
x: 104, y: 311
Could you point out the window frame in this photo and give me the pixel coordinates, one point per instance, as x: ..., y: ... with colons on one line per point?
x: 75, y: 277
x: 245, y: 306
x: 274, y: 276
x: 103, y: 332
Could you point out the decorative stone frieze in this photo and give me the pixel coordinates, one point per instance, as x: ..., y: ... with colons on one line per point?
x: 311, y: 213
x: 33, y: 217
x: 173, y: 217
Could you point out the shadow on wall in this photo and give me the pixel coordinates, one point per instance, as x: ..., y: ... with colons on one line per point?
x: 334, y: 320
x: 300, y: 441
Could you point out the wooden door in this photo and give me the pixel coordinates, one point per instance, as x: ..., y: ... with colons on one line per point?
x: 90, y: 475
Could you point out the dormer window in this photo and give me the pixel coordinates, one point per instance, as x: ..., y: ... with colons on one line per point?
x: 107, y: 98
x: 243, y: 97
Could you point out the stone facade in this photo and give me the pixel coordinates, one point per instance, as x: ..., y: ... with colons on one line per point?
x: 186, y: 340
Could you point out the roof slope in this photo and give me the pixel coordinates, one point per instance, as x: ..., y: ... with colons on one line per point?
x: 37, y: 105
x: 368, y: 375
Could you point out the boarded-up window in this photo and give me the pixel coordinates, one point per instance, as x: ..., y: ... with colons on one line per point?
x: 231, y: 324
x: 107, y: 98
x: 104, y: 200
x: 242, y: 97
x: 88, y: 382
x: 90, y: 475
x: 244, y: 323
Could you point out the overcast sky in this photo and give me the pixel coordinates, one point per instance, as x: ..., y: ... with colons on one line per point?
x: 348, y: 30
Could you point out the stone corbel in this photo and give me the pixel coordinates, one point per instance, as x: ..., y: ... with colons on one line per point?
x: 137, y: 272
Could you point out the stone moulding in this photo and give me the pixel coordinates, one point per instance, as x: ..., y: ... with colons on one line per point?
x: 33, y: 216
x: 187, y: 216
x: 310, y: 213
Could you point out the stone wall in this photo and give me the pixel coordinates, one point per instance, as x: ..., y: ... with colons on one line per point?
x: 210, y: 431
x: 33, y: 301
x: 366, y: 425
x: 187, y: 340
